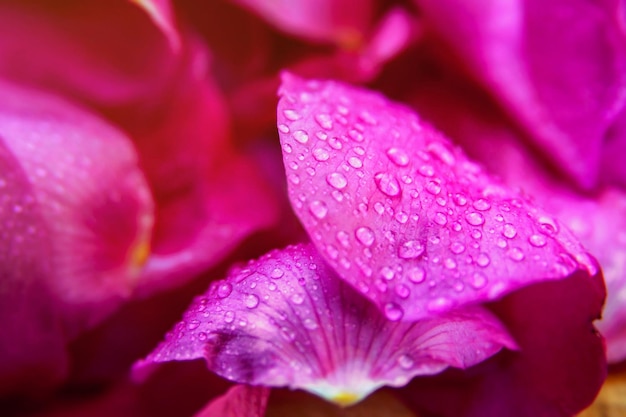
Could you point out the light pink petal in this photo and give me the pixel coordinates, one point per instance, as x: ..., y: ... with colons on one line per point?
x: 403, y: 215
x: 563, y: 86
x: 239, y: 401
x: 76, y: 252
x: 288, y: 320
x: 161, y: 13
x: 326, y: 21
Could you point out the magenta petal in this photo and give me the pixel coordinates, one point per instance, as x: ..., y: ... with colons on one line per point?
x: 287, y: 320
x: 239, y: 401
x: 161, y: 13
x: 562, y: 86
x: 403, y: 215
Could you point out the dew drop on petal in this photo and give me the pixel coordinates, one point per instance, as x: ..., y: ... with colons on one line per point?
x: 483, y: 259
x: 478, y: 280
x: 277, y: 273
x: 319, y: 209
x: 224, y: 290
x: 251, y: 300
x: 538, y: 240
x: 398, y: 157
x: 440, y: 218
x: 516, y: 254
x: 410, y: 249
x: 387, y: 184
x: 393, y: 311
x: 355, y: 162
x: 403, y: 291
x: 427, y: 170
x: 291, y: 114
x: 229, y: 317
x: 297, y: 299
x: 509, y: 231
x: 193, y: 324
x: 321, y: 154
x: 405, y: 362
x: 324, y: 120
x: 365, y: 235
x: 457, y: 247
x: 301, y: 136
x: 474, y: 218
x: 433, y: 187
x: 337, y: 180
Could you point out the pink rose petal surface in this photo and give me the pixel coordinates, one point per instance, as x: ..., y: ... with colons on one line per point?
x: 288, y: 320
x: 403, y: 215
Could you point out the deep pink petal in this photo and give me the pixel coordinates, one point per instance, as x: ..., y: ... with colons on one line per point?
x: 239, y: 401
x: 287, y: 320
x: 403, y: 215
x: 328, y: 20
x: 563, y: 86
x: 76, y: 251
x: 161, y: 13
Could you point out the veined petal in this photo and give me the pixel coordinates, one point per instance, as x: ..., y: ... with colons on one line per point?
x: 288, y: 320
x: 402, y: 214
x: 239, y: 401
x: 90, y: 195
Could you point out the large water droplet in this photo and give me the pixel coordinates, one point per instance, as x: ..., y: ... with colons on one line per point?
x: 474, y: 218
x: 355, y: 162
x: 224, y: 290
x: 321, y: 154
x: 193, y: 324
x: 440, y: 218
x: 229, y: 317
x: 457, y: 247
x: 398, y: 157
x: 538, y: 240
x: 301, y: 136
x: 365, y: 235
x: 324, y: 120
x: 387, y: 184
x: 337, y: 180
x: 291, y: 114
x: 433, y: 187
x: 403, y: 291
x: 417, y: 275
x: 393, y: 311
x: 478, y: 280
x: 509, y: 231
x: 410, y: 249
x: 483, y: 259
x: 516, y: 254
x: 427, y: 170
x: 297, y: 299
x: 318, y: 209
x: 277, y: 273
x: 251, y: 300
x: 405, y: 362
x: 482, y: 205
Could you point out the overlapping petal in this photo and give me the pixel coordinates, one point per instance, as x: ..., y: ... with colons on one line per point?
x: 403, y: 215
x: 77, y: 221
x: 239, y: 401
x: 161, y: 13
x: 563, y: 86
x: 288, y: 320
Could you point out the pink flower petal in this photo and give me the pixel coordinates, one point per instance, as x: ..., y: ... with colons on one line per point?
x: 404, y: 216
x: 337, y: 21
x: 160, y: 11
x: 288, y: 320
x: 563, y: 86
x: 80, y: 244
x: 239, y: 401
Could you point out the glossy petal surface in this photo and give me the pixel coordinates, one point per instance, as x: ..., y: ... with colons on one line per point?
x: 288, y: 320
x: 403, y: 215
x: 563, y: 87
x: 161, y: 13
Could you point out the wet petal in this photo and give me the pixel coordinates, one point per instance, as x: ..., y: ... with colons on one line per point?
x: 328, y: 21
x: 403, y: 215
x: 563, y: 87
x: 287, y: 320
x: 161, y: 13
x: 87, y: 216
x: 239, y: 401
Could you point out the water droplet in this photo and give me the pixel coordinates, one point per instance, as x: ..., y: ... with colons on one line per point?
x: 229, y: 317
x: 410, y: 249
x: 365, y: 235
x: 401, y: 217
x: 335, y: 143
x: 324, y: 121
x: 538, y: 240
x: 477, y: 234
x: 343, y: 238
x: 291, y: 114
x: 398, y: 157
x: 460, y: 200
x: 287, y: 148
x: 355, y: 135
x: 405, y: 362
x: 193, y: 324
x: 478, y: 280
x: 202, y: 336
x: 294, y: 178
x: 483, y: 259
x: 321, y: 154
x: 456, y: 226
x: 387, y: 184
x: 318, y: 209
x: 457, y: 247
x: 449, y: 263
x: 548, y: 225
x: 224, y: 290
x: 403, y: 291
x: 516, y: 254
x: 482, y: 205
x: 439, y: 150
x: 427, y: 170
x: 393, y: 311
x: 417, y: 275
x: 310, y: 324
x: 355, y: 162
x: 337, y: 180
x: 297, y: 299
x: 379, y: 207
x: 251, y: 300
x: 509, y: 231
x: 301, y: 136
x: 440, y: 218
x: 277, y: 273
x: 474, y: 218
x: 501, y: 243
x: 433, y: 187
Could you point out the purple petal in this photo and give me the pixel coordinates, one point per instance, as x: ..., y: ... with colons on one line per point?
x: 563, y: 86
x: 287, y: 320
x: 403, y: 215
x: 239, y: 401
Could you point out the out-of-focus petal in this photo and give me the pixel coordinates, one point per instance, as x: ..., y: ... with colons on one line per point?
x: 613, y: 170
x: 404, y: 216
x: 76, y: 251
x: 336, y: 21
x: 239, y: 401
x: 161, y: 13
x: 563, y: 86
x: 288, y: 320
